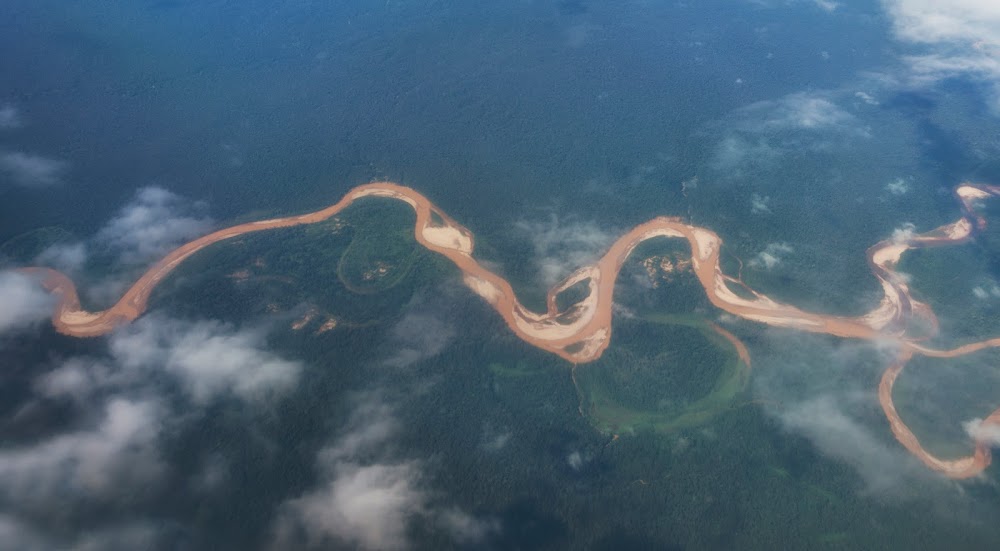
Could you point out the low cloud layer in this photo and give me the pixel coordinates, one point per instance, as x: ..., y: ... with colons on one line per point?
x: 759, y: 134
x: 760, y: 204
x: 10, y: 117
x: 155, y: 222
x: 208, y: 357
x: 125, y: 403
x: 990, y: 434
x: 898, y: 187
x: 808, y: 111
x: 825, y: 422
x: 825, y: 5
x: 563, y: 245
x: 65, y: 257
x: 771, y: 256
x: 826, y: 392
x: 16, y: 534
x: 959, y: 37
x: 367, y: 504
x: 24, y: 302
x: 91, y: 463
x: 419, y: 336
x: 366, y: 499
x: 904, y: 233
x: 31, y: 171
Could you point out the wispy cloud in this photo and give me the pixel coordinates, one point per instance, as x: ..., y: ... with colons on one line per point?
x: 760, y: 204
x: 155, y: 222
x: 960, y: 37
x: 986, y: 433
x: 734, y: 151
x: 19, y: 534
x: 898, y: 186
x: 563, y: 244
x: 824, y: 392
x: 425, y: 329
x: 903, y: 233
x: 209, y: 358
x: 65, y: 257
x: 363, y: 505
x: 125, y: 402
x: 419, y: 336
x: 757, y: 136
x: 815, y: 112
x: 10, y: 117
x: 988, y: 289
x: 828, y: 6
x: 32, y: 171
x: 809, y: 111
x: 94, y: 463
x: 962, y: 22
x: 24, y: 302
x: 771, y: 256
x: 365, y: 498
x: 824, y: 421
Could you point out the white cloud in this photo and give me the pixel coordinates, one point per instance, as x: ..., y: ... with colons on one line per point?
x: 127, y: 537
x: 867, y: 98
x: 123, y: 403
x: 99, y: 463
x: 827, y: 5
x: 903, y: 233
x: 899, y: 186
x: 760, y: 204
x: 771, y: 256
x: 495, y: 441
x: 986, y: 290
x: 758, y: 135
x: 823, y: 391
x: 10, y: 117
x: 24, y: 302
x: 823, y: 421
x: 77, y: 378
x: 65, y: 257
x: 363, y: 505
x: 956, y: 21
x: 465, y: 528
x: 989, y: 434
x: 733, y: 151
x: 958, y: 37
x: 17, y: 534
x: 366, y: 499
x: 419, y: 336
x: 807, y: 111
x: 209, y: 358
x: 32, y: 171
x: 367, y: 506
x: 562, y: 246
x: 155, y: 222
x: 575, y: 460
